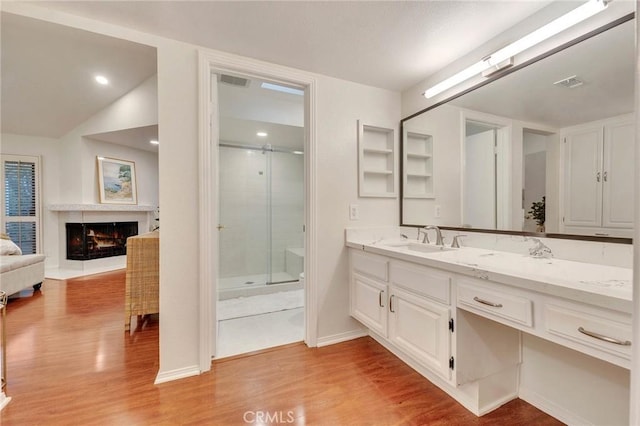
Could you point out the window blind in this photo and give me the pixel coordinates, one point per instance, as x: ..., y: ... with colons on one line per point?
x: 20, y: 204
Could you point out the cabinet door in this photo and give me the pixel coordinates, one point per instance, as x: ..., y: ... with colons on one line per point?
x: 421, y: 329
x: 617, y: 177
x: 368, y: 303
x: 583, y: 177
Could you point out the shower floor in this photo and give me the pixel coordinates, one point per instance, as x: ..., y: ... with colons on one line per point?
x: 251, y: 285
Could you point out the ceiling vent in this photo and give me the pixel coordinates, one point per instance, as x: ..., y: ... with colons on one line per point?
x: 234, y: 81
x: 570, y: 82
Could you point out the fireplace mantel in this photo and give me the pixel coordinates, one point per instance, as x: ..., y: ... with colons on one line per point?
x: 99, y: 208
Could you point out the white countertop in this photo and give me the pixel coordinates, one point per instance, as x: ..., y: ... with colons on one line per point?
x: 600, y: 285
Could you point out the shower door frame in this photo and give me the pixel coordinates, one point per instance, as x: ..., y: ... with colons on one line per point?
x: 211, y: 63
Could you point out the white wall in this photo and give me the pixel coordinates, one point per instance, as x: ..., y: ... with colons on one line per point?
x: 444, y: 125
x: 137, y: 108
x: 49, y: 154
x: 146, y: 164
x: 339, y: 105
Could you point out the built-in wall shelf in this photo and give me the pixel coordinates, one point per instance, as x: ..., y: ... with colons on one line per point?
x: 99, y: 208
x: 376, y: 161
x: 417, y: 164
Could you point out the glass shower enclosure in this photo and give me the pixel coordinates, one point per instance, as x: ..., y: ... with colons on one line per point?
x: 261, y: 213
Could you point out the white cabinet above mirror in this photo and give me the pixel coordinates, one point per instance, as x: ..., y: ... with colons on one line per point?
x: 513, y: 179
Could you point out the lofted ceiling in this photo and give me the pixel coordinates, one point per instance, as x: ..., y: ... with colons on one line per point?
x: 48, y: 71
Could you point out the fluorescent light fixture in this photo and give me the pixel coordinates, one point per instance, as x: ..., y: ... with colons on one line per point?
x: 554, y: 27
x: 101, y: 79
x: 262, y: 134
x: 283, y: 89
x: 154, y: 142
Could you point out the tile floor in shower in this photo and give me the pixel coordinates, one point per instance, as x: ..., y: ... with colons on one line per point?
x: 258, y: 321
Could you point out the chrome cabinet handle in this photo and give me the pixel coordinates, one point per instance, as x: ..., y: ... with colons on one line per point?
x: 598, y: 177
x: 486, y: 302
x: 391, y: 303
x: 604, y: 176
x: 380, y: 299
x: 604, y: 338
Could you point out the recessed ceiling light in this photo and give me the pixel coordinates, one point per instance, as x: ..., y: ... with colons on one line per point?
x: 262, y: 134
x: 154, y: 142
x: 102, y: 80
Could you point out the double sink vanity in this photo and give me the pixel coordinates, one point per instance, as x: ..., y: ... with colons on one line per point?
x: 472, y: 320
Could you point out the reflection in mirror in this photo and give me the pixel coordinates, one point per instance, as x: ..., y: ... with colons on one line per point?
x: 546, y: 148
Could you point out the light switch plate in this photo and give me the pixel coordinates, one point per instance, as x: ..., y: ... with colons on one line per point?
x: 436, y: 212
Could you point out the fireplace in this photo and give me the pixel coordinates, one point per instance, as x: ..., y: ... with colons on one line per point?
x: 87, y: 241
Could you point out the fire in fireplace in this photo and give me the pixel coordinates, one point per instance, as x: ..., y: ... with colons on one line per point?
x: 87, y: 241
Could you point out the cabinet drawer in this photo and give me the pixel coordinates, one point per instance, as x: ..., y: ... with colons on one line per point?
x: 422, y: 280
x: 590, y: 328
x: 494, y: 303
x: 370, y: 265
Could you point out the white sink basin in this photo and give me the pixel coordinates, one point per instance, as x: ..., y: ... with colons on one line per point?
x: 427, y: 248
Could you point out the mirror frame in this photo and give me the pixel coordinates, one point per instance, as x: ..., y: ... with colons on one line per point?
x: 493, y: 78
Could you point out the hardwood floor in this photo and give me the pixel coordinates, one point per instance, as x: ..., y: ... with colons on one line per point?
x: 70, y: 362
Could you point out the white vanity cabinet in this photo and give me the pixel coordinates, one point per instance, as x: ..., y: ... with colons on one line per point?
x: 410, y: 309
x: 406, y: 304
x: 488, y: 327
x: 598, y: 161
x: 420, y: 315
x: 368, y: 290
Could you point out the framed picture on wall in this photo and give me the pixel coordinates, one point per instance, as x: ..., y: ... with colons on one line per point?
x: 117, y: 181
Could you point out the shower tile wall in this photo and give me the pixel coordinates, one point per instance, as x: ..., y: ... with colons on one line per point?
x: 243, y: 213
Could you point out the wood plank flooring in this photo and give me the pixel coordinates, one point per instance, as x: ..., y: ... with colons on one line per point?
x: 70, y: 362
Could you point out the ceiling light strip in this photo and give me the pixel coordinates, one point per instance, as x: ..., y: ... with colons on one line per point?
x: 543, y: 33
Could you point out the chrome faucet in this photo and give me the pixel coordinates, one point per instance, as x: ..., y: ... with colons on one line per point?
x: 456, y: 241
x: 539, y: 250
x: 439, y: 241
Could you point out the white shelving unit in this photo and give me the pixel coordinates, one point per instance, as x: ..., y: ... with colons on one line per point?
x: 417, y: 165
x: 376, y: 162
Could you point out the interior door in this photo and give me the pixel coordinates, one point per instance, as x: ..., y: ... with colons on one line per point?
x: 617, y: 177
x: 583, y: 177
x: 480, y: 180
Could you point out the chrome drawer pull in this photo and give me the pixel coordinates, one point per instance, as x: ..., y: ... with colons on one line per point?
x: 604, y: 338
x: 391, y: 304
x: 486, y: 302
x: 380, y: 299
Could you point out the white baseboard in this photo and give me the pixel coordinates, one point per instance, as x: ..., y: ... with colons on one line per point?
x: 4, y: 400
x: 341, y: 337
x: 180, y: 373
x: 551, y: 408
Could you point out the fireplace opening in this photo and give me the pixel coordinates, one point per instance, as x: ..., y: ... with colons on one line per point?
x: 86, y: 241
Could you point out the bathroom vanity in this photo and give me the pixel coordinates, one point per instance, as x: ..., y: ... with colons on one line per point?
x: 464, y: 317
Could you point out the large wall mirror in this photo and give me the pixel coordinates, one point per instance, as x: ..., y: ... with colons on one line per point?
x: 548, y: 147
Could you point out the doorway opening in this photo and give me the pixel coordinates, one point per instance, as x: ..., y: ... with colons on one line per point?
x: 534, y: 179
x: 486, y: 175
x: 261, y: 211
